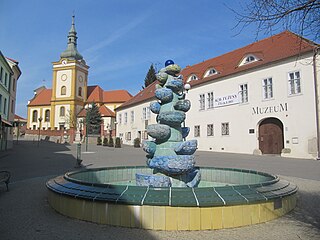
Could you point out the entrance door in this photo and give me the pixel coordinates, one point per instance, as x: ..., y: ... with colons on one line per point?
x: 271, y: 136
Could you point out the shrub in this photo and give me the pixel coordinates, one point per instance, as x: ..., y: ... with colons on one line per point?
x: 118, y: 143
x: 136, y: 142
x: 110, y: 142
x: 99, y: 141
x: 105, y: 141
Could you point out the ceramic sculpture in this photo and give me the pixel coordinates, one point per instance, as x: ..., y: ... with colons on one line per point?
x: 169, y: 155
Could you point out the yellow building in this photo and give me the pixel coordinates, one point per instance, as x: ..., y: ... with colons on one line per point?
x: 59, y: 107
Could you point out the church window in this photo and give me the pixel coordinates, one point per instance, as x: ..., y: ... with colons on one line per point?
x: 62, y: 111
x: 47, y: 116
x: 80, y: 91
x: 63, y: 90
x: 34, y: 116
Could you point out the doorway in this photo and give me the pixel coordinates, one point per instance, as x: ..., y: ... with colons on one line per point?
x: 271, y: 136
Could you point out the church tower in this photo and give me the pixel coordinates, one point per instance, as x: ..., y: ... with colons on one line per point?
x: 69, y: 84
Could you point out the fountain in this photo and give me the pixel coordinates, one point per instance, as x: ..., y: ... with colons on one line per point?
x: 171, y: 193
x: 171, y: 158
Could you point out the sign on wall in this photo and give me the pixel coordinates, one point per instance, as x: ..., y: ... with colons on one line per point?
x: 226, y: 100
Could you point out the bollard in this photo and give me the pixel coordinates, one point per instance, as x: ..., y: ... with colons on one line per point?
x: 79, y: 155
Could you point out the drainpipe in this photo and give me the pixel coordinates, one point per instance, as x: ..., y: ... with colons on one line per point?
x: 315, y: 78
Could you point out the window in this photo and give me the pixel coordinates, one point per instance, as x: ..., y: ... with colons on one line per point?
x: 12, y: 106
x: 14, y: 84
x: 146, y: 113
x: 243, y: 93
x: 5, y: 106
x: 210, y: 130
x: 1, y: 72
x: 34, y: 116
x: 210, y: 100
x: 193, y: 77
x: 63, y: 90
x: 294, y: 83
x: 210, y: 72
x: 5, y: 79
x: 120, y: 118
x: 125, y: 118
x: 145, y: 134
x: 80, y: 91
x: 128, y: 136
x: 197, y: 131
x: 267, y: 88
x: 224, y: 129
x: 62, y: 111
x: 47, y: 116
x: 250, y: 59
x: 202, y: 102
x: 132, y: 117
x: 0, y: 103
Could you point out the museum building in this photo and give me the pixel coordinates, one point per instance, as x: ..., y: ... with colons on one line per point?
x: 258, y: 99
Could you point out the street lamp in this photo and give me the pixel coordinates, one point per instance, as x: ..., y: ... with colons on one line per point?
x: 39, y: 119
x: 87, y: 107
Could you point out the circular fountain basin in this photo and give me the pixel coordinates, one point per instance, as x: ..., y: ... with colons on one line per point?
x: 225, y: 198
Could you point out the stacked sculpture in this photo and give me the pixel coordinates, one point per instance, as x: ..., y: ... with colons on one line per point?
x: 169, y: 155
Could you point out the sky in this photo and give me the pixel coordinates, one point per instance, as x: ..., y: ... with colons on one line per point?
x: 119, y: 39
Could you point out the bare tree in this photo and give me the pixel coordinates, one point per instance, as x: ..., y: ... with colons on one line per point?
x: 300, y: 16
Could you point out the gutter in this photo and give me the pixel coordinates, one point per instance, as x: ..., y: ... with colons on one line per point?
x: 315, y: 78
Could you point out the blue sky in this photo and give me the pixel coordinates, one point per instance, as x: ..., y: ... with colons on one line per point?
x: 119, y: 39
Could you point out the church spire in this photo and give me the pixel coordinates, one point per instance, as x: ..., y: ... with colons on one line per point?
x: 71, y: 52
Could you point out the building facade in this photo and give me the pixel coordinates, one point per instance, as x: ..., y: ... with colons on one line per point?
x: 62, y: 107
x: 259, y: 99
x: 9, y: 74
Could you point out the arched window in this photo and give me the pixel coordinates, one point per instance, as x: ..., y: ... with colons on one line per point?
x: 210, y: 71
x: 80, y: 91
x: 192, y: 77
x: 63, y: 90
x: 47, y: 115
x: 62, y: 111
x: 34, y: 116
x: 249, y: 59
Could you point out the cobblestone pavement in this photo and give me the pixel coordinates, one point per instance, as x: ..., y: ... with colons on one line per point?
x: 26, y: 214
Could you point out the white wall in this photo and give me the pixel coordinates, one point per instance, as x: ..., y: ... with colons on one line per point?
x: 298, y: 120
x: 138, y: 125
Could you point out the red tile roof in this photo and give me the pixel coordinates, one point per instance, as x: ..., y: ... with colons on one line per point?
x: 116, y: 96
x: 18, y: 117
x: 275, y: 48
x: 143, y: 95
x: 95, y: 94
x: 42, y: 98
x: 268, y: 50
x: 12, y: 60
x: 104, y: 111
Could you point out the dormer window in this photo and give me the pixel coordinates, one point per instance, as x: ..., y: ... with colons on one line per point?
x: 249, y: 59
x: 210, y: 71
x: 193, y: 77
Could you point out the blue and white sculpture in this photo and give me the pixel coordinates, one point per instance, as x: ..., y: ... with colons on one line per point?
x: 169, y: 155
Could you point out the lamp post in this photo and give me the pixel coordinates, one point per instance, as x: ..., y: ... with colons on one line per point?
x: 87, y: 107
x: 39, y: 119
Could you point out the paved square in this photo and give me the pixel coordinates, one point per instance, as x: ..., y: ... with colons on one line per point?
x: 26, y: 214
